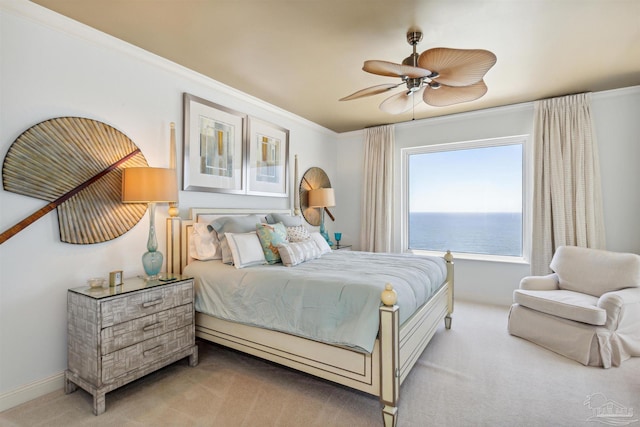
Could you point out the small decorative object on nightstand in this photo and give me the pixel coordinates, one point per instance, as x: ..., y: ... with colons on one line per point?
x: 118, y: 334
x: 342, y: 247
x: 115, y: 278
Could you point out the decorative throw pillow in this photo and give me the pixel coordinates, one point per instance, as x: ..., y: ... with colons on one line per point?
x: 246, y: 249
x: 321, y: 242
x: 287, y: 219
x: 298, y: 252
x: 204, y: 244
x: 271, y: 235
x: 298, y: 233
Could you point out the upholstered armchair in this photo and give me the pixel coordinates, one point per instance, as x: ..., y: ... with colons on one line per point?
x: 587, y: 310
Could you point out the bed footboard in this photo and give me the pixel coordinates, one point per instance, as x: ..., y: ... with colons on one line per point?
x: 400, y: 347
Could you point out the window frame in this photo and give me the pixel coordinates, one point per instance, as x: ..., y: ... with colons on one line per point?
x: 527, y: 194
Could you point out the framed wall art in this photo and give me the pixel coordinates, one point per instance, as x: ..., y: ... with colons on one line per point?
x: 213, y: 147
x: 268, y: 159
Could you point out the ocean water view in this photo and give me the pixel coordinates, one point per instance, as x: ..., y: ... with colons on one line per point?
x: 480, y: 233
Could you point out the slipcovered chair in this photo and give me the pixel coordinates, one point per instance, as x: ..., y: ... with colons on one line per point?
x: 587, y: 310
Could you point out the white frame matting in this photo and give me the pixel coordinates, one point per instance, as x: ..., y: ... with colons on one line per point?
x: 380, y: 373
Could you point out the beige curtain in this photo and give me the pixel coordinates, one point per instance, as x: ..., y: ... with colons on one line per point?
x: 377, y: 198
x: 567, y: 201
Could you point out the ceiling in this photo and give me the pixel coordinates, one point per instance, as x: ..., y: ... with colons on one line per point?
x: 303, y: 55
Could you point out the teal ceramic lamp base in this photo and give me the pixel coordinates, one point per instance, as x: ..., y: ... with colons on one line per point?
x: 152, y: 263
x: 323, y: 231
x: 152, y: 259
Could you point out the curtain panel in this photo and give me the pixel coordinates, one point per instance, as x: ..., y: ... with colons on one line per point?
x: 377, y: 197
x: 567, y: 206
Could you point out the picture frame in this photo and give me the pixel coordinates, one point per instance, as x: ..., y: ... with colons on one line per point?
x: 115, y: 278
x: 213, y: 151
x: 267, y: 159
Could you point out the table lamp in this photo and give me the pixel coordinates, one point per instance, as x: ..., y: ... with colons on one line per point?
x: 322, y: 198
x: 151, y: 186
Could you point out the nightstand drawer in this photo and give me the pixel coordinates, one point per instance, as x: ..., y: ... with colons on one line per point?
x: 134, y: 331
x: 141, y: 304
x: 121, y: 362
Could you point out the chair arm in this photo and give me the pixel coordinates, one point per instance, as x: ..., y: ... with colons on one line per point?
x: 617, y: 302
x: 540, y: 283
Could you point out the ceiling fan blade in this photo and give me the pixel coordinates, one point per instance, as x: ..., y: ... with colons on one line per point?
x: 449, y: 95
x: 457, y: 67
x: 373, y: 90
x: 400, y: 102
x: 391, y: 69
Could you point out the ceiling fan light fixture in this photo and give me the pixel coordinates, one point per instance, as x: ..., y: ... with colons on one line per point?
x: 400, y: 102
x: 414, y: 84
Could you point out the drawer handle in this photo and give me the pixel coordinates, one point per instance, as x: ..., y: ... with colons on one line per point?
x: 152, y: 350
x: 152, y: 303
x: 152, y: 326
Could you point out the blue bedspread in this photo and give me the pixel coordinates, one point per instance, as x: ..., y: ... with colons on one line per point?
x: 333, y: 299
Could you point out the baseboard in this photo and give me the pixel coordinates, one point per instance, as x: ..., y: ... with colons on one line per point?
x: 31, y: 391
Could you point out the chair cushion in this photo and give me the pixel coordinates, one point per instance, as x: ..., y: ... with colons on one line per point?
x: 594, y: 271
x: 566, y: 304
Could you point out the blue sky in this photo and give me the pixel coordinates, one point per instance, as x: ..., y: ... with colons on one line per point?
x: 471, y: 180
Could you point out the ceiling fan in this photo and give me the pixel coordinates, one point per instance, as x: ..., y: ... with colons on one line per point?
x: 441, y: 76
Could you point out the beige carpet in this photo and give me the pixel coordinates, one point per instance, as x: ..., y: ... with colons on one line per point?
x: 476, y: 374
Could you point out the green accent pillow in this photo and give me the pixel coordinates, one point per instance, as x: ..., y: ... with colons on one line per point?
x: 271, y: 235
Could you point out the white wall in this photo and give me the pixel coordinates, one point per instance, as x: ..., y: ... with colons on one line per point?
x: 617, y: 122
x: 617, y: 128
x: 52, y: 67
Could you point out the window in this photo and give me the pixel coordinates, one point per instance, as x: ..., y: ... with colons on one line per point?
x: 466, y: 197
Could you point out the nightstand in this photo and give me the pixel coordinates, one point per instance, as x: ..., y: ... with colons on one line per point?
x: 341, y: 248
x: 118, y: 334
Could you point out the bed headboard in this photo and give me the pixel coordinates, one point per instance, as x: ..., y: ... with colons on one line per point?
x: 179, y: 231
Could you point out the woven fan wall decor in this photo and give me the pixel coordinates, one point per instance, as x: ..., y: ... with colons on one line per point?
x: 313, y: 178
x: 76, y: 165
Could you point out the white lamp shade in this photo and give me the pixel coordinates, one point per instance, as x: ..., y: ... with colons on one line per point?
x: 321, y: 197
x: 144, y: 185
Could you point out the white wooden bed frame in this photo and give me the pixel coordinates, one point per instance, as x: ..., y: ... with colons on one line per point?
x: 380, y: 373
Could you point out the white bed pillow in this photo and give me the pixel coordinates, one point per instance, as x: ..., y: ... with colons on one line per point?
x: 227, y: 256
x: 298, y: 252
x: 204, y: 244
x: 322, y: 244
x: 245, y: 249
x: 232, y: 224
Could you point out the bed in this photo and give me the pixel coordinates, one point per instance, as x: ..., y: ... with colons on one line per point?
x: 373, y: 361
